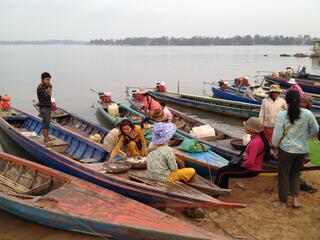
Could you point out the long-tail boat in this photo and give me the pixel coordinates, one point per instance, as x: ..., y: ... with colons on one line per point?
x: 49, y: 197
x: 227, y: 107
x: 72, y: 153
x: 312, y: 87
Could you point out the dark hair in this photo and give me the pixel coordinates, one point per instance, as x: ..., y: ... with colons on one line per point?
x: 267, y: 154
x: 163, y: 104
x: 125, y: 122
x: 45, y: 75
x: 293, y: 100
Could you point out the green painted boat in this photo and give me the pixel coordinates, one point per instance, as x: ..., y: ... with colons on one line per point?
x: 227, y: 107
x: 124, y: 113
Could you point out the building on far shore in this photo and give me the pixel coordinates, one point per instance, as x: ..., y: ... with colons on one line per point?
x: 316, y: 49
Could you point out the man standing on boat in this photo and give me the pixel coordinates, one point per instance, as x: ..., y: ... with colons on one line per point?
x: 270, y: 109
x: 44, y: 92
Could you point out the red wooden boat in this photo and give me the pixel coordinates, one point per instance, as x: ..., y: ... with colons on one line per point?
x: 46, y: 196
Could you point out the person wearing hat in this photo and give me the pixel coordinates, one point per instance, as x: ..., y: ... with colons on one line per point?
x: 158, y: 116
x: 292, y: 131
x: 131, y: 138
x: 270, y: 109
x: 160, y: 87
x: 149, y: 104
x: 256, y: 152
x: 294, y: 87
x: 162, y: 164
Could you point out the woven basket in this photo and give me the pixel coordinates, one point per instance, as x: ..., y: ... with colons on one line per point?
x: 238, y: 144
x: 137, y: 163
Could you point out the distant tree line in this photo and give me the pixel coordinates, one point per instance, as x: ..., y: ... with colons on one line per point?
x: 206, y: 41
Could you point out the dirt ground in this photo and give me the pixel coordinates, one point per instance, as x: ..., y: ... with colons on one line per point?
x: 260, y: 219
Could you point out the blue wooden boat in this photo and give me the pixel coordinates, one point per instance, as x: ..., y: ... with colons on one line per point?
x: 78, y: 156
x: 231, y: 96
x: 312, y: 87
x: 49, y: 197
x: 227, y: 107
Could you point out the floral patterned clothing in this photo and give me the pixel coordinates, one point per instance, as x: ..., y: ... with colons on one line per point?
x: 161, y: 162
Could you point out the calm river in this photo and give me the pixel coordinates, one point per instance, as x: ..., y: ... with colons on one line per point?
x: 76, y: 69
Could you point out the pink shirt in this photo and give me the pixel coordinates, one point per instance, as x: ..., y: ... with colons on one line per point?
x: 150, y: 104
x: 295, y: 87
x: 168, y: 114
x: 251, y: 159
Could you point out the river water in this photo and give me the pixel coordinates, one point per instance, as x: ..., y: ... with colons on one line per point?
x: 76, y: 69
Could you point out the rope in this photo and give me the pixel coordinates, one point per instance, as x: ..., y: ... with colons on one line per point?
x: 241, y: 225
x: 224, y: 230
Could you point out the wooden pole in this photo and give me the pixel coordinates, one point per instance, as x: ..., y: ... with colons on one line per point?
x: 178, y: 90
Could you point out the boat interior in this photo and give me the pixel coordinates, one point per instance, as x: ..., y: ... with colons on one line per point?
x: 23, y: 181
x: 65, y: 143
x: 124, y: 113
x: 92, y: 155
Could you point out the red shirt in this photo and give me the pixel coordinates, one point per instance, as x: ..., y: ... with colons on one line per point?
x: 251, y: 159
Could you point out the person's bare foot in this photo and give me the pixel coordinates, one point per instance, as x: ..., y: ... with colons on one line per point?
x: 49, y: 139
x: 280, y: 205
x: 296, y: 203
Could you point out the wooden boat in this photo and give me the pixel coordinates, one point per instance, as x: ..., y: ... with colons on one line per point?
x: 205, y: 163
x: 232, y: 96
x: 78, y: 156
x: 123, y: 114
x: 219, y: 144
x: 227, y: 107
x: 49, y: 197
x: 306, y: 86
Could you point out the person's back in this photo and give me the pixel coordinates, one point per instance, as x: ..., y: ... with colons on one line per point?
x: 161, y: 162
x: 293, y: 138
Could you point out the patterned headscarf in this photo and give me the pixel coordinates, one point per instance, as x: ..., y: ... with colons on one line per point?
x: 163, y: 132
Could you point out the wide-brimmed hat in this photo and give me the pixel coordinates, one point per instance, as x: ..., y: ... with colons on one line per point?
x: 158, y: 115
x: 274, y: 88
x: 108, y: 94
x: 253, y: 124
x: 163, y: 132
x: 292, y: 81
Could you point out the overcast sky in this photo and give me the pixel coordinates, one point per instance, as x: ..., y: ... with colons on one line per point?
x: 90, y: 19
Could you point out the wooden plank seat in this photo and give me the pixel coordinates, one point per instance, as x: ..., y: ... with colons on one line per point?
x: 57, y: 145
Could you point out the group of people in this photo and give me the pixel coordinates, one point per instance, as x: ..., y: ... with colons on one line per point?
x: 282, y: 130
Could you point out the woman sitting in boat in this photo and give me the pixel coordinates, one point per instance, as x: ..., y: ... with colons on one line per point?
x: 248, y: 93
x: 256, y: 151
x: 162, y: 163
x: 131, y: 139
x: 160, y: 87
x: 149, y: 103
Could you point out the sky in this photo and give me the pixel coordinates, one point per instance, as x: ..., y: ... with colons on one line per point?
x: 95, y: 19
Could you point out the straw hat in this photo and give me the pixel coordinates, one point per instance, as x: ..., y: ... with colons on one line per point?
x: 163, y: 132
x: 292, y: 81
x: 274, y: 88
x: 158, y: 115
x: 108, y: 94
x: 253, y: 124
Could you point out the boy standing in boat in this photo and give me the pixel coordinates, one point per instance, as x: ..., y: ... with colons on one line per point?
x: 44, y: 92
